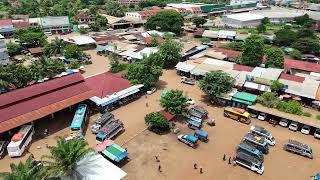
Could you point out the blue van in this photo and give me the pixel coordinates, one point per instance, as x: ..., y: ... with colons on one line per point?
x: 250, y: 150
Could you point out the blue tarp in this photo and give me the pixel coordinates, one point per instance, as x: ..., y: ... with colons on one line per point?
x: 201, y: 133
x: 191, y: 138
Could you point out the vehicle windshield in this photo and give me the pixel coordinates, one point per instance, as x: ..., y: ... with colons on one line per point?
x: 75, y: 129
x: 99, y: 139
x: 264, y: 131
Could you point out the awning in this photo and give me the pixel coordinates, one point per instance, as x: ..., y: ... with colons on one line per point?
x: 182, y: 66
x: 242, y: 101
x: 256, y: 86
x: 129, y: 91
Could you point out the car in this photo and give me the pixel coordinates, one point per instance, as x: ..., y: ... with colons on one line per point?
x: 317, y: 133
x: 293, y: 126
x: 262, y: 116
x: 186, y: 80
x: 273, y: 121
x: 284, y: 122
x: 190, y: 101
x: 152, y: 90
x: 305, y: 129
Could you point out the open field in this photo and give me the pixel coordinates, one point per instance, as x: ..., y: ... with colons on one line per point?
x: 177, y: 158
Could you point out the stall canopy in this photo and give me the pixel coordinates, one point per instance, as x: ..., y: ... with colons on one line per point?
x: 182, y: 66
x: 115, y: 153
x: 245, y: 98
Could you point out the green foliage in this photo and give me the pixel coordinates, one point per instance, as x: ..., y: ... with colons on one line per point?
x: 304, y: 21
x: 170, y: 21
x: 307, y: 114
x: 170, y: 52
x: 113, y: 8
x: 276, y: 86
x: 73, y: 51
x: 253, y: 51
x: 285, y: 36
x: 167, y: 35
x: 74, y: 65
x: 153, y: 43
x: 268, y: 99
x: 31, y: 37
x: 318, y: 117
x: 216, y: 83
x: 119, y: 67
x: 20, y: 74
x: 74, y: 21
x: 265, y: 21
x: 46, y: 68
x: 261, y: 28
x: 237, y: 46
x: 292, y: 107
x: 114, y: 59
x: 64, y: 156
x: 157, y: 120
x: 146, y: 72
x: 295, y: 54
x: 274, y: 57
x: 205, y: 40
x: 199, y: 21
x: 55, y: 47
x: 13, y: 49
x: 306, y: 33
x: 82, y: 30
x: 174, y: 102
x: 25, y: 171
x: 100, y: 23
x: 307, y: 45
x: 150, y: 3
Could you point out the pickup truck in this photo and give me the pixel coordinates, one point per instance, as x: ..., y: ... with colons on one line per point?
x: 187, y: 80
x: 188, y: 140
x: 102, y: 121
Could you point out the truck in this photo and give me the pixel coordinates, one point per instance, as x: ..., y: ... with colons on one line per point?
x: 102, y: 121
x: 263, y: 132
x: 249, y: 162
x: 109, y: 131
x: 186, y: 80
x: 188, y: 139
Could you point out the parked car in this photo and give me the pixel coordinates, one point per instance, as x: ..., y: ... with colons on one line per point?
x: 152, y: 90
x: 284, y: 122
x: 262, y: 116
x: 190, y: 101
x: 298, y: 148
x: 294, y: 126
x: 305, y: 129
x: 187, y: 80
x: 317, y: 133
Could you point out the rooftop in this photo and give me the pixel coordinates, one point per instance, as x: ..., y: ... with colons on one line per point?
x: 301, y: 65
x: 6, y: 23
x: 80, y: 40
x: 50, y: 21
x: 245, y: 16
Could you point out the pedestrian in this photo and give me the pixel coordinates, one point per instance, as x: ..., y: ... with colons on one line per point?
x: 157, y: 159
x: 201, y: 170
x: 147, y: 104
x: 229, y: 160
x: 224, y: 157
x: 159, y: 168
x: 195, y: 165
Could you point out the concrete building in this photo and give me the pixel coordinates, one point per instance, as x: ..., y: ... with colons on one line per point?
x: 242, y: 20
x: 144, y: 15
x: 85, y: 19
x: 6, y: 28
x: 278, y: 16
x: 52, y: 24
x: 4, y: 57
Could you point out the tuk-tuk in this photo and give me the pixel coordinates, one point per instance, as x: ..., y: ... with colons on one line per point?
x: 316, y: 177
x: 194, y: 124
x: 201, y: 135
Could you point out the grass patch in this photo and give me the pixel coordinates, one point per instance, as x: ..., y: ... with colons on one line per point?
x: 318, y: 117
x: 118, y: 68
x: 307, y: 114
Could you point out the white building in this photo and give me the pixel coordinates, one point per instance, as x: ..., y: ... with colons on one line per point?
x: 278, y: 16
x: 242, y: 20
x: 4, y: 56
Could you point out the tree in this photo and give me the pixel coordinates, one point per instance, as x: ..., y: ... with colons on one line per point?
x: 30, y: 170
x: 74, y: 21
x: 56, y: 47
x: 13, y: 49
x: 268, y: 99
x: 199, y: 21
x: 170, y: 21
x: 20, y: 75
x: 73, y: 51
x: 31, y: 37
x: 146, y: 72
x: 292, y: 107
x: 74, y: 65
x: 285, y: 36
x: 114, y: 59
x: 174, y: 102
x: 307, y: 45
x: 153, y: 43
x: 101, y: 21
x: 304, y: 21
x: 276, y: 86
x: 170, y: 52
x: 237, y: 46
x: 157, y: 120
x: 5, y: 78
x: 306, y: 33
x: 46, y: 67
x: 265, y: 21
x: 83, y: 30
x: 253, y: 51
x: 261, y: 28
x: 296, y: 54
x: 205, y: 40
x: 64, y: 156
x: 274, y: 57
x: 216, y: 83
x: 113, y: 8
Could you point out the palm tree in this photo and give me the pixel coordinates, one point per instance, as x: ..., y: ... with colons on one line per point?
x: 5, y: 77
x: 29, y: 170
x: 55, y: 47
x: 64, y: 156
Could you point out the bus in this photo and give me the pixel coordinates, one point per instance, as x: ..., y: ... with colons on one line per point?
x: 79, y: 120
x: 237, y: 114
x: 257, y: 141
x: 20, y: 141
x: 250, y: 150
x: 249, y: 162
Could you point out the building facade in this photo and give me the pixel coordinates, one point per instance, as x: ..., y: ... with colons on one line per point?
x: 144, y: 15
x: 242, y: 20
x: 4, y: 56
x: 6, y: 28
x: 85, y: 19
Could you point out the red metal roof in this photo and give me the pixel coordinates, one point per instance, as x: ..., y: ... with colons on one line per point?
x: 21, y: 24
x: 152, y: 12
x: 198, y: 32
x: 107, y: 83
x: 35, y: 50
x: 301, y: 65
x: 239, y: 67
x: 168, y: 116
x: 26, y: 102
x: 149, y: 39
x: 291, y: 77
x: 227, y: 52
x: 7, y: 22
x: 84, y: 16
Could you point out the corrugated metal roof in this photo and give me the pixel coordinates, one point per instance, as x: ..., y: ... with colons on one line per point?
x: 50, y: 21
x: 245, y: 96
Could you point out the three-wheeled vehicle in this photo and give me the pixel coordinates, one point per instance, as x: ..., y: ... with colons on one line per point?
x: 188, y: 139
x: 201, y: 135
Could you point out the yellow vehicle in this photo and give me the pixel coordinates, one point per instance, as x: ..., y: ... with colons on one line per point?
x: 237, y: 114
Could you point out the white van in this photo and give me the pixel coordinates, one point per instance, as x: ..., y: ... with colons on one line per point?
x: 305, y: 129
x: 249, y: 162
x: 17, y: 147
x: 262, y: 116
x: 284, y: 122
x: 263, y: 132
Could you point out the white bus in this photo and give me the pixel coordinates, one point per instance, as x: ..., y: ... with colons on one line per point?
x: 17, y: 147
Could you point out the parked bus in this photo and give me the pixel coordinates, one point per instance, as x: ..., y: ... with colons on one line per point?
x: 257, y: 141
x: 263, y: 132
x: 249, y: 162
x: 237, y: 114
x: 79, y: 120
x: 20, y: 141
x: 250, y: 150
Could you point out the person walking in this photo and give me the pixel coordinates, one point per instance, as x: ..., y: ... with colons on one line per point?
x: 224, y: 157
x: 201, y: 170
x: 159, y: 168
x: 195, y: 165
x: 229, y: 160
x: 157, y: 159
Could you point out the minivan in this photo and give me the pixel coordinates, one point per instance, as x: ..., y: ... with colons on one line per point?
x: 298, y: 148
x: 257, y: 141
x: 262, y: 116
x: 294, y: 126
x: 263, y: 132
x: 249, y: 162
x: 250, y: 150
x: 284, y: 122
x: 317, y: 133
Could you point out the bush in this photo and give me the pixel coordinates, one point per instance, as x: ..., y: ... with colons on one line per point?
x: 307, y: 114
x: 157, y: 120
x: 295, y: 54
x: 119, y: 67
x: 318, y: 117
x: 292, y: 107
x: 237, y: 46
x: 268, y: 99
